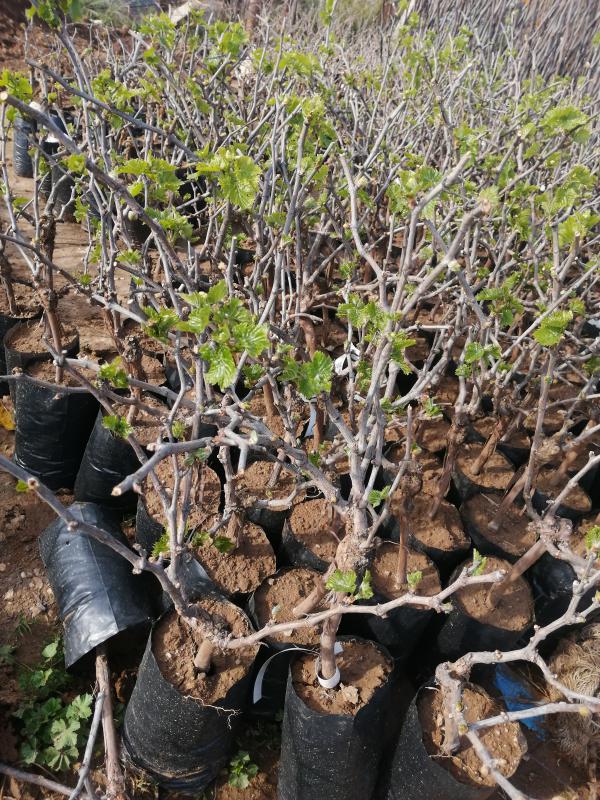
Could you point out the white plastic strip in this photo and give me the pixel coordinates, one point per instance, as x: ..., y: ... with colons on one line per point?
x: 258, y: 683
x: 329, y: 683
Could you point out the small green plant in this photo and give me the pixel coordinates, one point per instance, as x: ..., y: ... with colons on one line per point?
x: 23, y: 626
x: 114, y: 374
x: 414, y: 579
x: 377, y: 496
x: 161, y: 547
x: 592, y: 538
x: 52, y: 730
x: 346, y: 583
x: 479, y: 563
x: 7, y: 655
x: 223, y: 544
x: 241, y: 770
x: 117, y: 425
x: 196, y: 456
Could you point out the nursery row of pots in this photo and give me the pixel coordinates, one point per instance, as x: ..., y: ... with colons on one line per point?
x: 179, y: 727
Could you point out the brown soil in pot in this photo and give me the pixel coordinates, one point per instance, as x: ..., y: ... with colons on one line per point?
x: 445, y: 393
x: 577, y: 498
x: 384, y: 571
x: 258, y: 408
x: 497, y: 473
x: 514, y: 535
x: 444, y: 531
x: 241, y: 569
x: 577, y: 543
x: 431, y: 467
x: 363, y: 669
x: 46, y: 371
x: 517, y: 439
x: 555, y: 415
x: 28, y: 337
x: 432, y: 435
x: 275, y: 599
x: 318, y: 527
x: 418, y: 351
x: 205, y: 495
x: 147, y: 427
x: 514, y: 608
x: 257, y: 482
x: 26, y: 300
x: 503, y: 742
x: 175, y: 645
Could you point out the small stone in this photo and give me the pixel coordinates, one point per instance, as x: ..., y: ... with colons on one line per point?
x: 2, y: 567
x: 10, y: 594
x: 23, y: 575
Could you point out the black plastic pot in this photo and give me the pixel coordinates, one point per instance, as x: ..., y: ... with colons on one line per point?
x: 465, y: 486
x: 98, y: 595
x: 147, y: 530
x: 332, y: 756
x: 518, y: 455
x: 64, y: 185
x: 275, y: 679
x: 414, y: 775
x: 271, y: 522
x: 107, y: 460
x: 541, y: 501
x: 296, y: 553
x: 52, y: 429
x: 136, y: 230
x: 20, y: 359
x: 552, y: 583
x: 48, y: 148
x: 400, y: 631
x: 179, y: 742
x: 485, y: 543
x: 462, y: 633
x: 22, y: 141
x: 6, y: 324
x: 444, y: 560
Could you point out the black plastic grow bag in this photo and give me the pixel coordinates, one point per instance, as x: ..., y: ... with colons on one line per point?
x: 541, y: 501
x: 19, y: 359
x: 22, y: 141
x: 399, y: 631
x: 107, y: 460
x: 52, y: 429
x: 135, y: 229
x: 6, y: 324
x: 414, y: 775
x: 178, y: 741
x: 64, y: 196
x: 98, y: 595
x: 331, y: 756
x: 48, y: 148
x: 462, y: 634
x: 294, y: 552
